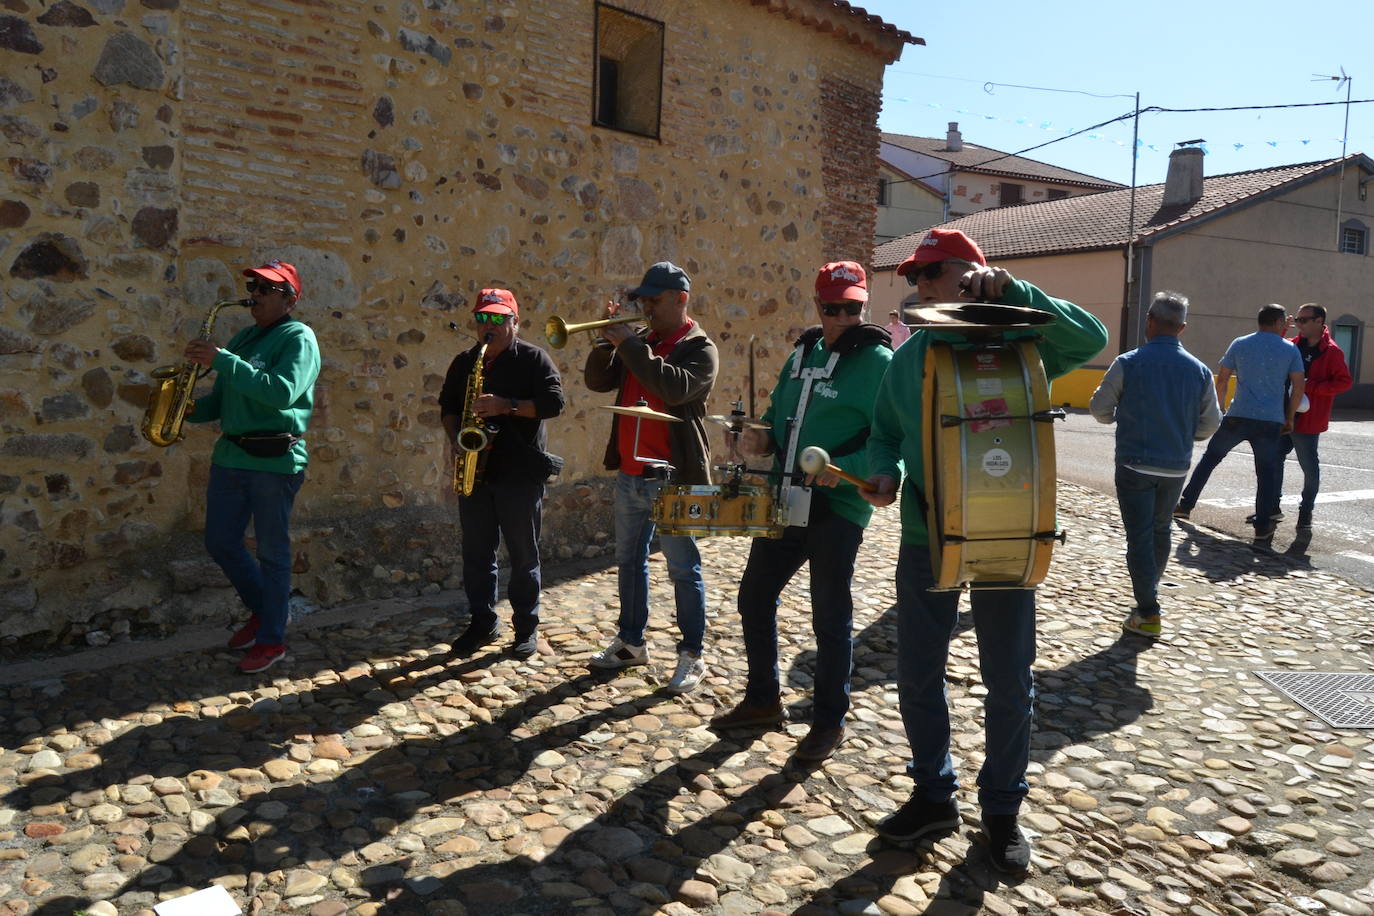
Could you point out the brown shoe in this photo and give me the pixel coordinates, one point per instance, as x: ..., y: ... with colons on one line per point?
x: 819, y: 743
x: 745, y: 715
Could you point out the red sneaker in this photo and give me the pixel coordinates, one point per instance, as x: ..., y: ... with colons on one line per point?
x: 246, y: 636
x: 261, y: 657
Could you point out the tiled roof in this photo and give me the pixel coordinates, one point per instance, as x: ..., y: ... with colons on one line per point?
x: 1092, y: 222
x: 971, y: 157
x: 845, y: 21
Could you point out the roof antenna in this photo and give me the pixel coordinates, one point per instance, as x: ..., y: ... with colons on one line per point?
x: 1345, y: 135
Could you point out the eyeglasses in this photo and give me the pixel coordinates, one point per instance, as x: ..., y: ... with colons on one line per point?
x: 262, y: 286
x: 1303, y: 319
x: 929, y: 271
x: 490, y: 318
x: 831, y: 309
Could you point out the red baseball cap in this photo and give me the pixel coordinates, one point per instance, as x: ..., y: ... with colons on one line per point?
x: 842, y: 280
x: 497, y: 301
x: 941, y: 245
x: 275, y: 271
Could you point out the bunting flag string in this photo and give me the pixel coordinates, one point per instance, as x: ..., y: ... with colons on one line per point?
x: 1236, y: 144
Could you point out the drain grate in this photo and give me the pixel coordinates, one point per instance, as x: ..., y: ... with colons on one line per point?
x: 1342, y: 699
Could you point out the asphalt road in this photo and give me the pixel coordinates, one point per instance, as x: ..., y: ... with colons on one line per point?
x: 1343, y: 533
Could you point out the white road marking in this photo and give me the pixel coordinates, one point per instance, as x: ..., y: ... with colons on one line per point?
x: 1339, y: 496
x: 1356, y: 555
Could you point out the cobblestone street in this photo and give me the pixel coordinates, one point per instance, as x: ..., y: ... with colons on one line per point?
x: 372, y: 773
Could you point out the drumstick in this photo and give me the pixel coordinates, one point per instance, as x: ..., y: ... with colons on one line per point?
x: 815, y: 459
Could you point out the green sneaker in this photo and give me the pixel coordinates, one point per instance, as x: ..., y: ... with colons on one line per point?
x: 1143, y: 625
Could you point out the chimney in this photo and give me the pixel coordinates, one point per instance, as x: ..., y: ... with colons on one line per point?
x: 954, y: 141
x: 1183, y: 185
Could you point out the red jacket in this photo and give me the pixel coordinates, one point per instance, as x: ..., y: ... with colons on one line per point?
x: 1327, y: 376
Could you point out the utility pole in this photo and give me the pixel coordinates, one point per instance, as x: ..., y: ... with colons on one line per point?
x: 1345, y: 136
x: 1130, y: 237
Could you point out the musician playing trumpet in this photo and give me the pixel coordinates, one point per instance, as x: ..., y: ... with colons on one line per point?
x: 823, y: 398
x: 671, y: 365
x: 520, y: 388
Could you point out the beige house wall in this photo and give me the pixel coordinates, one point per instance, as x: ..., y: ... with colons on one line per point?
x: 1281, y: 250
x: 971, y: 192
x: 911, y: 205
x: 403, y: 157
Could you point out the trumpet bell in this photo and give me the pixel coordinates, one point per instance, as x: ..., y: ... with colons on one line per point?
x: 557, y: 331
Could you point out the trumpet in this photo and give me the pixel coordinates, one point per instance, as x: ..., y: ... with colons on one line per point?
x: 557, y: 330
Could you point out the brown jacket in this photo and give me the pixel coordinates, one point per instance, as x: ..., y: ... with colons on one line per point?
x: 683, y: 380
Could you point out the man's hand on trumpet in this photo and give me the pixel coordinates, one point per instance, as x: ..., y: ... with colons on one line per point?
x: 615, y: 334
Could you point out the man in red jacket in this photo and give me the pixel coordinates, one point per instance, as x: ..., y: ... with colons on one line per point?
x: 1327, y: 375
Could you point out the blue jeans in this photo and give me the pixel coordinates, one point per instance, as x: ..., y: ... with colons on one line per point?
x: 1305, y: 445
x: 233, y: 498
x: 1147, y: 504
x: 634, y: 496
x: 1004, y: 622
x: 510, y: 509
x: 1263, y: 436
x: 828, y: 545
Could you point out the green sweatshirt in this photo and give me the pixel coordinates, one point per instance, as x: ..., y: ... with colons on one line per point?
x: 838, y: 410
x: 1068, y: 343
x: 264, y: 383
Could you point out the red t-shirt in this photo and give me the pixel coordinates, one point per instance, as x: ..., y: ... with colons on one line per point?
x: 653, y: 434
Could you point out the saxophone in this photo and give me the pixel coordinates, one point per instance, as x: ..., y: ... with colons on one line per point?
x: 173, y: 386
x: 475, y: 433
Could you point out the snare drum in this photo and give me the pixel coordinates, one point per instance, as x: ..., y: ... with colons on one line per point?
x: 989, y: 464
x: 685, y: 510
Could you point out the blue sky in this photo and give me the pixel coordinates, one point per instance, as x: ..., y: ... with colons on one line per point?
x: 1202, y: 53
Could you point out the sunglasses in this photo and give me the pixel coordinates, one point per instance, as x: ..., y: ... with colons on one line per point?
x: 262, y: 286
x: 490, y: 318
x: 929, y: 271
x: 1303, y: 319
x: 831, y: 309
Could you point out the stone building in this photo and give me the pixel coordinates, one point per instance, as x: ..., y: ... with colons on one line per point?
x: 403, y: 156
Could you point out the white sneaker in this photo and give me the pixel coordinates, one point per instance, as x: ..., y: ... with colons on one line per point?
x: 690, y: 669
x: 620, y: 654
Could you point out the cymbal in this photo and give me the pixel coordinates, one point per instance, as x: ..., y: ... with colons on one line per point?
x: 643, y: 413
x: 942, y: 315
x: 743, y: 422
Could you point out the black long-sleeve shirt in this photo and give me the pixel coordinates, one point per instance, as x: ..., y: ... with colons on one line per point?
x: 521, y: 371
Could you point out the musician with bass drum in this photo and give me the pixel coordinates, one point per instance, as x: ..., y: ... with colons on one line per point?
x: 263, y: 397
x: 495, y: 398
x: 948, y: 267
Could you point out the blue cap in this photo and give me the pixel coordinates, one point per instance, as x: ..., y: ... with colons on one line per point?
x: 663, y: 275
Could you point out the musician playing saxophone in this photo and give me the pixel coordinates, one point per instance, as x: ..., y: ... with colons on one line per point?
x: 520, y: 389
x: 263, y: 397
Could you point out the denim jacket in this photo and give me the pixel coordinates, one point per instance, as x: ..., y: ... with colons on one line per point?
x: 1161, y: 398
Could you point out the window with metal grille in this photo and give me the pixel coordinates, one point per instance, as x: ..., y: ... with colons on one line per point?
x: 629, y: 71
x: 1010, y: 193
x: 1354, y: 238
x: 1056, y: 194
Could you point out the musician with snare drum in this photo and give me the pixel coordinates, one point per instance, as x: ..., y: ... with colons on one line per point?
x: 948, y: 267
x: 495, y: 398
x: 671, y: 366
x: 823, y: 398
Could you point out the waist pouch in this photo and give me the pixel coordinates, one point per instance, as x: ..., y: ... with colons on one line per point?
x: 265, y: 445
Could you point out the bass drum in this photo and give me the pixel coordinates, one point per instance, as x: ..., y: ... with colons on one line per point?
x: 989, y: 464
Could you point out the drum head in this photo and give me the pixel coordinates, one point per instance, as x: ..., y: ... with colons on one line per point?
x: 974, y: 315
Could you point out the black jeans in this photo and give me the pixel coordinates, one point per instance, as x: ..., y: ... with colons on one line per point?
x: 511, y: 510
x: 828, y: 545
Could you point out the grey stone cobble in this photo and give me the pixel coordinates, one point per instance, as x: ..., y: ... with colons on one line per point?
x: 375, y: 773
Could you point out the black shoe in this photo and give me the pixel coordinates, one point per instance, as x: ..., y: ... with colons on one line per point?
x: 1007, y: 845
x: 1304, y: 521
x: 1182, y: 512
x: 1266, y: 531
x: 920, y: 818
x: 525, y: 646
x: 819, y: 743
x: 475, y: 637
x: 1276, y: 517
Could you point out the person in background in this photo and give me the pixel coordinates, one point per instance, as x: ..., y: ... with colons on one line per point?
x: 1161, y: 399
x: 1325, y: 375
x: 898, y: 331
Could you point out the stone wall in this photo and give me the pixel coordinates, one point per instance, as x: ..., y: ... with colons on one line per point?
x: 403, y: 156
